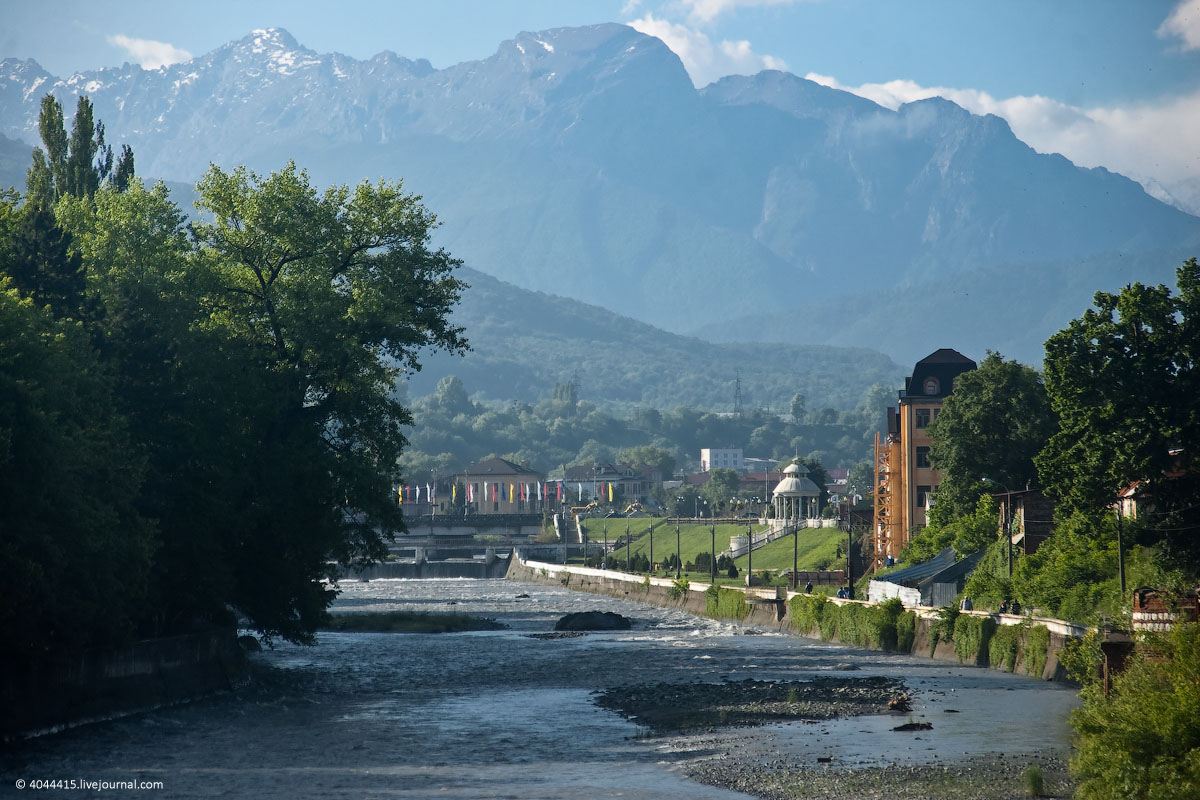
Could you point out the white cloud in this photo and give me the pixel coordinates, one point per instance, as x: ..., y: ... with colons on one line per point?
x: 1184, y: 22
x: 701, y: 11
x: 704, y: 60
x: 1151, y: 142
x: 149, y: 53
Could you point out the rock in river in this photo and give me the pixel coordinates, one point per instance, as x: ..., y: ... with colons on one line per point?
x: 593, y: 621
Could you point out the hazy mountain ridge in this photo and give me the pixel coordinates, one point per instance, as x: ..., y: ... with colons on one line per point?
x: 524, y: 342
x: 582, y: 161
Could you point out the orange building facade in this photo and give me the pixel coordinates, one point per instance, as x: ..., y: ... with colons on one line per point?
x: 904, y: 476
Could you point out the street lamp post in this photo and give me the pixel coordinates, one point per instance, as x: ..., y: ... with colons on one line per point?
x: 712, y: 561
x: 749, y: 554
x: 605, y: 558
x: 651, y: 545
x: 678, y: 559
x: 795, y: 555
x: 849, y: 561
x: 628, y: 563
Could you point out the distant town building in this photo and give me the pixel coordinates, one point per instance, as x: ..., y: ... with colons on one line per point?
x: 905, y: 476
x: 498, y: 486
x: 629, y: 483
x: 727, y: 458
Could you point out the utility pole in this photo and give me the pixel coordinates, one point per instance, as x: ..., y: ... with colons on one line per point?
x: 1120, y: 551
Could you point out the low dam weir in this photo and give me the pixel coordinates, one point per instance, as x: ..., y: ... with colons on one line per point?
x: 490, y: 566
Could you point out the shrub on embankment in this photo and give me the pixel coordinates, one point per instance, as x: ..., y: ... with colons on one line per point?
x: 972, y: 637
x: 886, y: 625
x: 722, y: 603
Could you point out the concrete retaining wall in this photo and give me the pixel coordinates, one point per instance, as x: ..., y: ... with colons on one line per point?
x: 766, y: 613
x: 99, y: 684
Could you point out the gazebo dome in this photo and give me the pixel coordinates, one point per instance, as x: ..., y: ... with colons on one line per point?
x: 796, y: 484
x: 795, y: 494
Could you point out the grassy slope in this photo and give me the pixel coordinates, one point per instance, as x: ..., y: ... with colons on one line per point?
x: 816, y: 547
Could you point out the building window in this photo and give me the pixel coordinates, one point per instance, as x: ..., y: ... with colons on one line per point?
x: 923, y: 458
x: 922, y: 418
x: 923, y: 493
x: 932, y: 386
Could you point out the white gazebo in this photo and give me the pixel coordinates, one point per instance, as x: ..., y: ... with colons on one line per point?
x: 795, y: 497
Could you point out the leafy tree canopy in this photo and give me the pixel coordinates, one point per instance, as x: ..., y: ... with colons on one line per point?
x: 1124, y: 379
x: 993, y: 425
x: 1142, y: 739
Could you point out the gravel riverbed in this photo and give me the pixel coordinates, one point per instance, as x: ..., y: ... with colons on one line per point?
x: 694, y: 723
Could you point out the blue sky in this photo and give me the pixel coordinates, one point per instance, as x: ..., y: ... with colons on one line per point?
x: 1111, y: 83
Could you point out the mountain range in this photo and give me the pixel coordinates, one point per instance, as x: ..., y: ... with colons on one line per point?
x: 582, y: 162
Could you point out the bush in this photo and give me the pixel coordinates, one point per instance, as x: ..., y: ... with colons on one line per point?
x: 1143, y: 739
x: 972, y: 636
x: 679, y: 588
x: 722, y: 603
x: 829, y: 621
x: 1005, y: 646
x: 1082, y: 658
x: 805, y: 610
x: 883, y: 619
x: 943, y: 629
x: 1037, y: 645
x: 906, y: 631
x: 853, y: 624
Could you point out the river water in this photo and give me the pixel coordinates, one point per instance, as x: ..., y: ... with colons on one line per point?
x: 502, y: 715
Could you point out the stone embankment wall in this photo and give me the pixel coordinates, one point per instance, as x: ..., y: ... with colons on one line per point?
x: 761, y: 609
x: 99, y: 684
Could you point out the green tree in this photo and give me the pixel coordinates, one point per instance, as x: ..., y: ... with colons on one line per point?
x: 74, y: 165
x: 658, y: 457
x: 796, y: 408
x: 861, y: 480
x: 967, y: 534
x: 1123, y: 381
x: 74, y: 551
x: 43, y: 264
x: 1142, y: 739
x: 722, y: 485
x: 329, y: 296
x: 993, y: 425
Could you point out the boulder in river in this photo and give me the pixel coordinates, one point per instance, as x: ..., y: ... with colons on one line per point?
x: 593, y: 621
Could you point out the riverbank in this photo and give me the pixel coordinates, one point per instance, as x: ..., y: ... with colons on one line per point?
x: 1032, y: 645
x: 768, y: 774
x: 513, y: 713
x: 104, y: 683
x: 846, y: 756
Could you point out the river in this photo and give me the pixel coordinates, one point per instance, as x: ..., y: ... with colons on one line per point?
x: 501, y: 715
